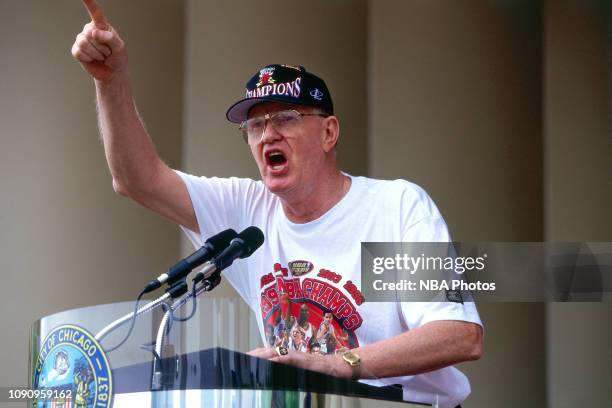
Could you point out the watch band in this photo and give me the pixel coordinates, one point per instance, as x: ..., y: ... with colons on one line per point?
x: 354, y: 361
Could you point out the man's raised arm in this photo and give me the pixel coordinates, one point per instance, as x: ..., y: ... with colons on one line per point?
x: 137, y: 170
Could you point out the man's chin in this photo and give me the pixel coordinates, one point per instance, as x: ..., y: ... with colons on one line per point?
x: 277, y: 185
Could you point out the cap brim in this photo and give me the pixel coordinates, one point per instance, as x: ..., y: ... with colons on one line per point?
x: 239, y: 112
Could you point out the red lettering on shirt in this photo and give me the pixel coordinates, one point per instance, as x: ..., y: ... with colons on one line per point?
x: 266, y: 279
x: 272, y: 294
x: 317, y: 286
x: 336, y: 301
x: 329, y: 275
x: 324, y: 295
x: 354, y: 292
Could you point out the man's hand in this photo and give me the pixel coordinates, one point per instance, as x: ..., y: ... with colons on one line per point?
x: 98, y: 48
x: 326, y: 364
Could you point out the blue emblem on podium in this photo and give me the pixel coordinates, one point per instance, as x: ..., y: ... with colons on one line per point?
x: 72, y: 365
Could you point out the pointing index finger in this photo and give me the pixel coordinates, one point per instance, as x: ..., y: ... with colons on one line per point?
x: 95, y: 12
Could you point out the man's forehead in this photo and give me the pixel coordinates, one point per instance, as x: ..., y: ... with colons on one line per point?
x: 271, y: 107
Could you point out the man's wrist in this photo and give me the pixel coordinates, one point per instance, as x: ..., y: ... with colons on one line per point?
x: 119, y: 81
x: 340, y: 368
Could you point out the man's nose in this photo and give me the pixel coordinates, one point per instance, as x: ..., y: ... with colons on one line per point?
x: 269, y: 133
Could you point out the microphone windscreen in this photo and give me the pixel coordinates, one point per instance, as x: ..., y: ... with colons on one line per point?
x: 253, y: 238
x: 221, y: 241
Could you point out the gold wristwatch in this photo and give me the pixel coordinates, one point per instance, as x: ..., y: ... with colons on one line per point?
x: 354, y: 361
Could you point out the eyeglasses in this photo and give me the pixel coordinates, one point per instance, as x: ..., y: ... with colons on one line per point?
x: 283, y: 121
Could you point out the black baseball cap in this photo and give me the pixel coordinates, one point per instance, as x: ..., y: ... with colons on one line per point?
x: 282, y: 83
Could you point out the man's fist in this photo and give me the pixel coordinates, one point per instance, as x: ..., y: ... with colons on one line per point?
x: 98, y: 47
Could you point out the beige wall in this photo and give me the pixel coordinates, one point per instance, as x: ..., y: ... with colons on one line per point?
x: 578, y: 175
x: 455, y: 106
x: 66, y: 240
x: 578, y: 127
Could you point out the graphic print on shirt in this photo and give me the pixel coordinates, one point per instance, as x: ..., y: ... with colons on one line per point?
x: 310, y: 312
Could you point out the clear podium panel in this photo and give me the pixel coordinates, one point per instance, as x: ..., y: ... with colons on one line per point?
x: 186, y: 357
x: 248, y: 399
x: 217, y: 322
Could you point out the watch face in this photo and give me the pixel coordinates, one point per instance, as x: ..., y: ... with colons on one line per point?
x: 351, y: 358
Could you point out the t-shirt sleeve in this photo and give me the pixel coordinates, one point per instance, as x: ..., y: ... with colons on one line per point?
x: 219, y: 203
x: 422, y: 222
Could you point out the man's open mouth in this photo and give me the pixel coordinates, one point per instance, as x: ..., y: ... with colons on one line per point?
x: 275, y: 159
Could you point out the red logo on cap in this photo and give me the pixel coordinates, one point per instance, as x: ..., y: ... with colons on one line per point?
x: 265, y: 77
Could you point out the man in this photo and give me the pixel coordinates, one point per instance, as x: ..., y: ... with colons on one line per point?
x: 297, y: 341
x: 313, y: 216
x: 325, y: 332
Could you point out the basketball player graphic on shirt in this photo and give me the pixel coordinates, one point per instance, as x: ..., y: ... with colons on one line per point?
x: 296, y: 341
x: 284, y: 321
x: 325, y: 335
x: 303, y: 323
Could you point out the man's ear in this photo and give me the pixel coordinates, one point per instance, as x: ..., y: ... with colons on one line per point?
x: 330, y: 133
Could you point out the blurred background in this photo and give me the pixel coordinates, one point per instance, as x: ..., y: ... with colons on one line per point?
x: 500, y: 109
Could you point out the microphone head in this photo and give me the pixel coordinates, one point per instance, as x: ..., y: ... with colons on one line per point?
x: 220, y: 241
x: 252, y: 238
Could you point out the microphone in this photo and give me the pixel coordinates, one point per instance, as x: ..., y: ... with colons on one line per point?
x: 211, y: 248
x: 247, y: 242
x: 240, y: 247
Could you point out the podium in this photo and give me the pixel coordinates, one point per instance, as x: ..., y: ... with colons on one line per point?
x: 203, y: 363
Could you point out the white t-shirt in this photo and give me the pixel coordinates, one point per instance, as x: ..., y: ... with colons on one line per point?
x: 304, y: 271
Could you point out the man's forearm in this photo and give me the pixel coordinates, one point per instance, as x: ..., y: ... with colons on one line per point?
x: 429, y: 347
x: 130, y: 153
